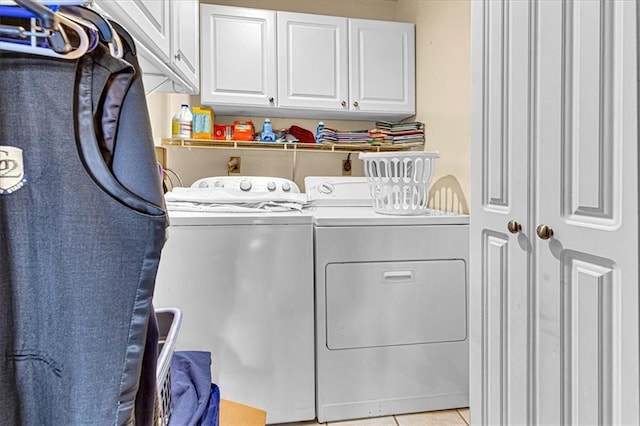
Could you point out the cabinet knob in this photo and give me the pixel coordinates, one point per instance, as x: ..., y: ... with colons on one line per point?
x: 177, y: 56
x: 514, y: 227
x: 343, y: 103
x: 544, y: 232
x: 271, y: 100
x: 355, y: 104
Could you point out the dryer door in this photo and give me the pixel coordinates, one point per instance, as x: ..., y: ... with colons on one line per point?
x: 395, y: 303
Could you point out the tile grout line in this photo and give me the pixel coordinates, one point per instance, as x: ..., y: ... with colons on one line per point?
x: 463, y: 418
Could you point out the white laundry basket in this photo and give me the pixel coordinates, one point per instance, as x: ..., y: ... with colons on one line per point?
x: 169, y: 322
x: 399, y: 181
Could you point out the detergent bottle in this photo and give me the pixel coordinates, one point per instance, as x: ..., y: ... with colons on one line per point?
x: 267, y: 134
x: 319, y: 130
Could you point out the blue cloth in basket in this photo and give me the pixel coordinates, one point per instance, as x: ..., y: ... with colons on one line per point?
x: 194, y: 399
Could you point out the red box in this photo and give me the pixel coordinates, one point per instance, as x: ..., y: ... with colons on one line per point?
x: 220, y: 132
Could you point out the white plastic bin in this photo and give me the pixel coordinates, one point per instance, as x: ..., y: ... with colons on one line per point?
x: 169, y: 321
x: 399, y: 181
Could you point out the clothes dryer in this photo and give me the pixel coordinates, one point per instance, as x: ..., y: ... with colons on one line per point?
x: 241, y: 271
x: 391, y: 305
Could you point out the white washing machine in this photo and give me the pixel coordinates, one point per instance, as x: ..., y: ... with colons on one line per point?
x: 391, y: 306
x: 244, y: 283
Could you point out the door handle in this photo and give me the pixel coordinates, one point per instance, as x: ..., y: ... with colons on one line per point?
x: 514, y: 227
x: 544, y: 232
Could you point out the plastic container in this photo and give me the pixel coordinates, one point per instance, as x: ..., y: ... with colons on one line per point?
x: 399, y: 181
x: 181, y: 123
x: 203, y: 123
x: 267, y: 134
x: 319, y: 130
x: 169, y: 322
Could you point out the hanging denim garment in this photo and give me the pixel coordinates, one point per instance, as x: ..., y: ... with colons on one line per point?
x: 80, y: 240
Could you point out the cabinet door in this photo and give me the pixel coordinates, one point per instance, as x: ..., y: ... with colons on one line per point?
x: 500, y: 278
x: 238, y: 56
x: 312, y: 64
x: 185, y: 46
x: 586, y: 305
x: 148, y: 20
x: 381, y: 66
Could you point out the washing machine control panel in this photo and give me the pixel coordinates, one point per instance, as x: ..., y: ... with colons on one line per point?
x: 249, y: 184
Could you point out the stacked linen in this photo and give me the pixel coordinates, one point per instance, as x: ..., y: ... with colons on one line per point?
x: 401, y: 132
x: 329, y: 135
x: 225, y: 200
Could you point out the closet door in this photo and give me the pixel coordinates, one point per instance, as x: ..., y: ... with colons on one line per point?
x: 555, y: 310
x: 586, y: 293
x: 500, y: 279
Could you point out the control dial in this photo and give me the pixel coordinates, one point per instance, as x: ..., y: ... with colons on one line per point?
x: 271, y: 186
x: 286, y: 187
x: 326, y: 188
x: 219, y: 184
x: 245, y: 185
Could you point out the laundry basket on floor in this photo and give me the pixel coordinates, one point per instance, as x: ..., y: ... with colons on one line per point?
x: 399, y: 181
x: 169, y: 321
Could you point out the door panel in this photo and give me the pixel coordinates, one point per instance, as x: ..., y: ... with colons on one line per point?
x: 589, y: 165
x: 589, y: 322
x: 186, y: 39
x: 238, y: 55
x: 586, y: 156
x: 376, y: 88
x: 500, y: 266
x: 312, y: 61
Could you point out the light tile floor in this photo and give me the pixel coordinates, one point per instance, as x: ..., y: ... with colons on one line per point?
x: 454, y: 417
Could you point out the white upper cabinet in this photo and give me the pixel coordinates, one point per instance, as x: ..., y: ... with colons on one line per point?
x: 238, y: 57
x: 167, y: 40
x: 312, y: 61
x: 185, y: 43
x: 326, y: 66
x: 382, y: 67
x: 148, y: 20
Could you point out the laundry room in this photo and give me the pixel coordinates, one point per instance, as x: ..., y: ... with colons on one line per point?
x: 442, y: 97
x: 438, y: 97
x: 319, y: 212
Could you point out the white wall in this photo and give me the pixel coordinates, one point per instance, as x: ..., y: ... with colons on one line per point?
x: 442, y: 101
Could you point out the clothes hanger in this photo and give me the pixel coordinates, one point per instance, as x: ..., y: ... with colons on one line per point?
x: 106, y: 31
x: 91, y: 30
x: 50, y: 28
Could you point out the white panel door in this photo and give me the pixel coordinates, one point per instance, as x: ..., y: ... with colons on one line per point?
x: 560, y: 76
x: 381, y: 66
x: 238, y: 56
x: 586, y: 303
x: 151, y: 20
x: 185, y: 44
x: 500, y: 262
x: 312, y: 64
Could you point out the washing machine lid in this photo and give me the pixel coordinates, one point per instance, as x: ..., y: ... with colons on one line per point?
x: 366, y: 216
x: 183, y: 218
